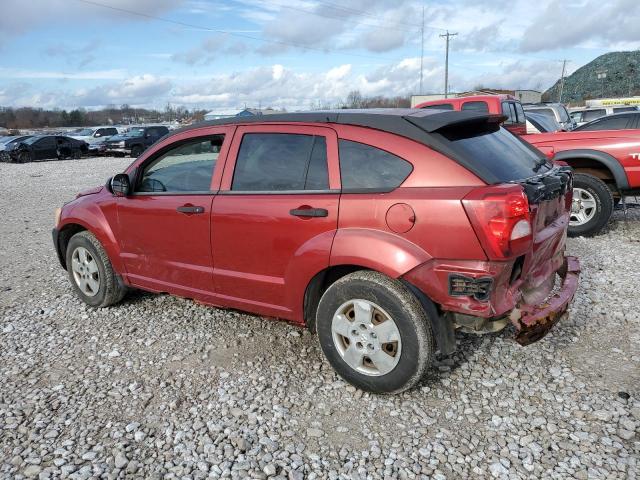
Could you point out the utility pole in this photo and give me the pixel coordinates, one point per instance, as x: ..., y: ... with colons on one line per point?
x: 421, y: 50
x: 446, y: 63
x: 564, y: 65
x: 602, y: 75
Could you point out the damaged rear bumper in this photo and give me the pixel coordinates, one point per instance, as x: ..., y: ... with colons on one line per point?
x: 532, y: 322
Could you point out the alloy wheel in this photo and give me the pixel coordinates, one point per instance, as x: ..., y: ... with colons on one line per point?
x: 85, y: 271
x: 583, y: 207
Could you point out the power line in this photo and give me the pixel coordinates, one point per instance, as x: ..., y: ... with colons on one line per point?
x: 225, y: 32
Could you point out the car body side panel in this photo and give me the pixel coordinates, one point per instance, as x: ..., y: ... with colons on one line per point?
x: 622, y: 145
x: 97, y: 213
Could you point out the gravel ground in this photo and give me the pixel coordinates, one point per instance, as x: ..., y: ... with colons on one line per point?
x: 163, y: 387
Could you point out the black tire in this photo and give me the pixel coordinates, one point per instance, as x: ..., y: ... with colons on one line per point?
x: 136, y: 151
x: 604, y: 205
x: 25, y: 157
x: 77, y: 154
x: 111, y: 290
x: 410, y: 318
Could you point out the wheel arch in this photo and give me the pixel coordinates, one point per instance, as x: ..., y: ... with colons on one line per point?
x: 592, y: 161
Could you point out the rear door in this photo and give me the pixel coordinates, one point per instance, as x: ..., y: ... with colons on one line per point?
x: 278, y: 204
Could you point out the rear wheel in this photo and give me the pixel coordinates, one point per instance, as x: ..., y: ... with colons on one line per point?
x: 91, y: 273
x: 374, y: 332
x: 591, y: 207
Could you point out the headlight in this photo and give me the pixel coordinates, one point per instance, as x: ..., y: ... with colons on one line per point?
x: 121, y: 144
x: 58, y: 213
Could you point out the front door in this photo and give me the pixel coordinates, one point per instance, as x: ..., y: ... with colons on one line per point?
x: 277, y: 204
x: 45, y: 148
x: 164, y: 225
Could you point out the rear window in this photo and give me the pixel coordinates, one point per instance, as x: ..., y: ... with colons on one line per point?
x: 441, y: 106
x: 494, y: 154
x: 509, y: 110
x: 547, y: 112
x: 364, y: 168
x: 476, y: 106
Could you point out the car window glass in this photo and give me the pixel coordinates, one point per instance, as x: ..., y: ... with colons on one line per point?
x: 563, y: 113
x: 589, y: 115
x: 610, y: 123
x: 624, y: 109
x: 46, y: 142
x: 442, y: 106
x: 187, y: 167
x: 520, y: 113
x: 363, y: 167
x: 478, y: 106
x: 509, y: 112
x: 273, y: 162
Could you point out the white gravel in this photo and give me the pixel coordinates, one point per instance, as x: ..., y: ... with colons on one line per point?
x: 163, y: 387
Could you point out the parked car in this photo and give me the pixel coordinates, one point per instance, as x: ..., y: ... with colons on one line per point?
x: 446, y: 221
x: 95, y: 136
x: 557, y: 111
x: 606, y: 167
x: 585, y: 115
x: 617, y: 121
x: 45, y: 147
x: 506, y: 105
x: 539, y: 123
x: 135, y: 141
x: 7, y: 141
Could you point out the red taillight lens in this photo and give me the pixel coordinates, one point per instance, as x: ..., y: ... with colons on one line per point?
x: 500, y: 216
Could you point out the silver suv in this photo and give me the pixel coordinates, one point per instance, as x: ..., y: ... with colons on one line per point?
x: 557, y: 111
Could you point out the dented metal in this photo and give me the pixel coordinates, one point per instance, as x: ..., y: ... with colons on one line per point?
x: 532, y: 322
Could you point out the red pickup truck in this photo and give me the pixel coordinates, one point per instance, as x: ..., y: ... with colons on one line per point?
x: 607, y: 166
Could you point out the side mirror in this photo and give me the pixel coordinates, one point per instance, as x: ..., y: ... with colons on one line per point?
x: 120, y: 185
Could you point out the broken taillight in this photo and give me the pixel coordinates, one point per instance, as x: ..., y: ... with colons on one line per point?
x: 500, y: 217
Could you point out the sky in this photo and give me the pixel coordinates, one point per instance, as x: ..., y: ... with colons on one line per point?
x: 291, y: 54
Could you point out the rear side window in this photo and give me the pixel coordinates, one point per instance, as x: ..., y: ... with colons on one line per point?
x: 589, y: 115
x: 476, y: 106
x: 364, y: 168
x: 493, y: 153
x: 442, y: 106
x: 624, y: 109
x: 276, y: 162
x: 608, y: 123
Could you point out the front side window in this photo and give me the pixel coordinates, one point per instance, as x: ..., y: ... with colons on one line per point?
x: 476, y: 106
x: 276, y: 162
x: 522, y: 118
x: 367, y: 168
x: 187, y: 167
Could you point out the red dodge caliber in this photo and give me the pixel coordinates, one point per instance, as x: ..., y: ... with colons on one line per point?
x: 383, y: 231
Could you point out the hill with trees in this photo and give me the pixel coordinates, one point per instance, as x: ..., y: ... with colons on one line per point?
x: 614, y: 74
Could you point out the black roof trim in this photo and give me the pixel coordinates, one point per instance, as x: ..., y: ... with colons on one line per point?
x: 385, y: 119
x: 420, y: 125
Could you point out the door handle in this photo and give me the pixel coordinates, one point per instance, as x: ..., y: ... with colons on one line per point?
x: 309, y: 212
x: 190, y: 209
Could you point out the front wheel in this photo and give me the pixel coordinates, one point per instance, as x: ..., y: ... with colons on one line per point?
x: 136, y: 151
x: 375, y: 333
x: 91, y: 273
x: 592, y: 205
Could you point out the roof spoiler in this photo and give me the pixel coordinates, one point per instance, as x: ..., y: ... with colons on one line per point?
x: 453, y: 119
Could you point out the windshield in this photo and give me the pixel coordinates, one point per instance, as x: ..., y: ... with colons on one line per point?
x: 5, y: 140
x: 84, y: 132
x: 495, y: 153
x: 135, y: 132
